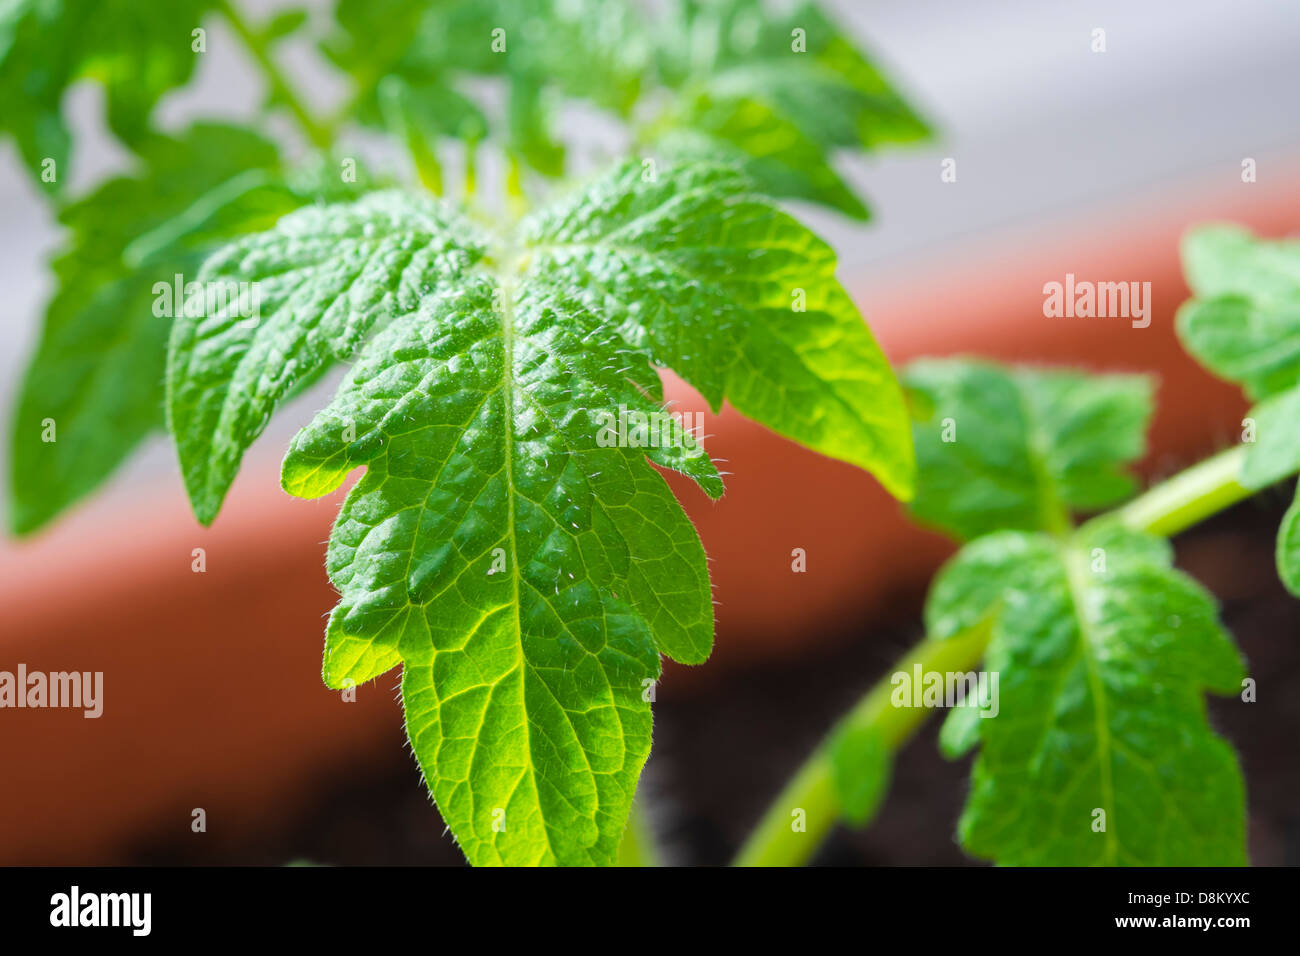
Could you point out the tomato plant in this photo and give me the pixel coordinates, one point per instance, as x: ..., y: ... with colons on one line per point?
x: 510, y: 546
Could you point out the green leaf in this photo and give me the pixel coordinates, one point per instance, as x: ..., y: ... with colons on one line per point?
x: 740, y: 90
x: 1275, y: 453
x: 421, y: 116
x: 1099, y: 751
x: 966, y: 592
x: 416, y: 98
x: 767, y: 146
x: 1235, y: 338
x: 543, y: 49
x: 97, y: 372
x: 737, y: 298
x: 433, y: 107
x: 324, y: 278
x: 776, y: 94
x: 960, y: 731
x: 369, y: 39
x: 860, y: 769
x: 1103, y: 652
x: 1226, y: 260
x: 138, y: 51
x: 589, y: 49
x: 510, y: 543
x: 531, y: 120
x: 524, y: 678
x: 426, y: 99
x: 1018, y: 449
x: 801, y: 62
x: 1244, y: 322
x: 1288, y: 548
x: 1244, y: 325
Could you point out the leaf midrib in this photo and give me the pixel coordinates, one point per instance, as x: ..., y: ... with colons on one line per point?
x: 1053, y: 512
x: 504, y: 277
x: 1076, y: 572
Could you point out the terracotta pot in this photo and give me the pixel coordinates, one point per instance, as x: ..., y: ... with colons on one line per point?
x: 212, y: 696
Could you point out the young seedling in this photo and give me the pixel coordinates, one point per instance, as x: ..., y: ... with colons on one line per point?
x: 523, y: 569
x: 525, y: 574
x: 1243, y: 325
x: 510, y: 545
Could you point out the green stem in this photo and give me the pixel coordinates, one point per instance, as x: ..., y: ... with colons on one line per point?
x: 1166, y: 509
x: 776, y: 842
x: 280, y: 88
x: 471, y: 169
x: 1188, y: 497
x: 638, y: 847
x: 516, y: 201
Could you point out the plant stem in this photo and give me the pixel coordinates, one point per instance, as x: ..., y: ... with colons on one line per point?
x: 1188, y: 497
x: 775, y: 842
x: 471, y: 169
x: 1174, y: 505
x: 281, y: 91
x: 516, y: 202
